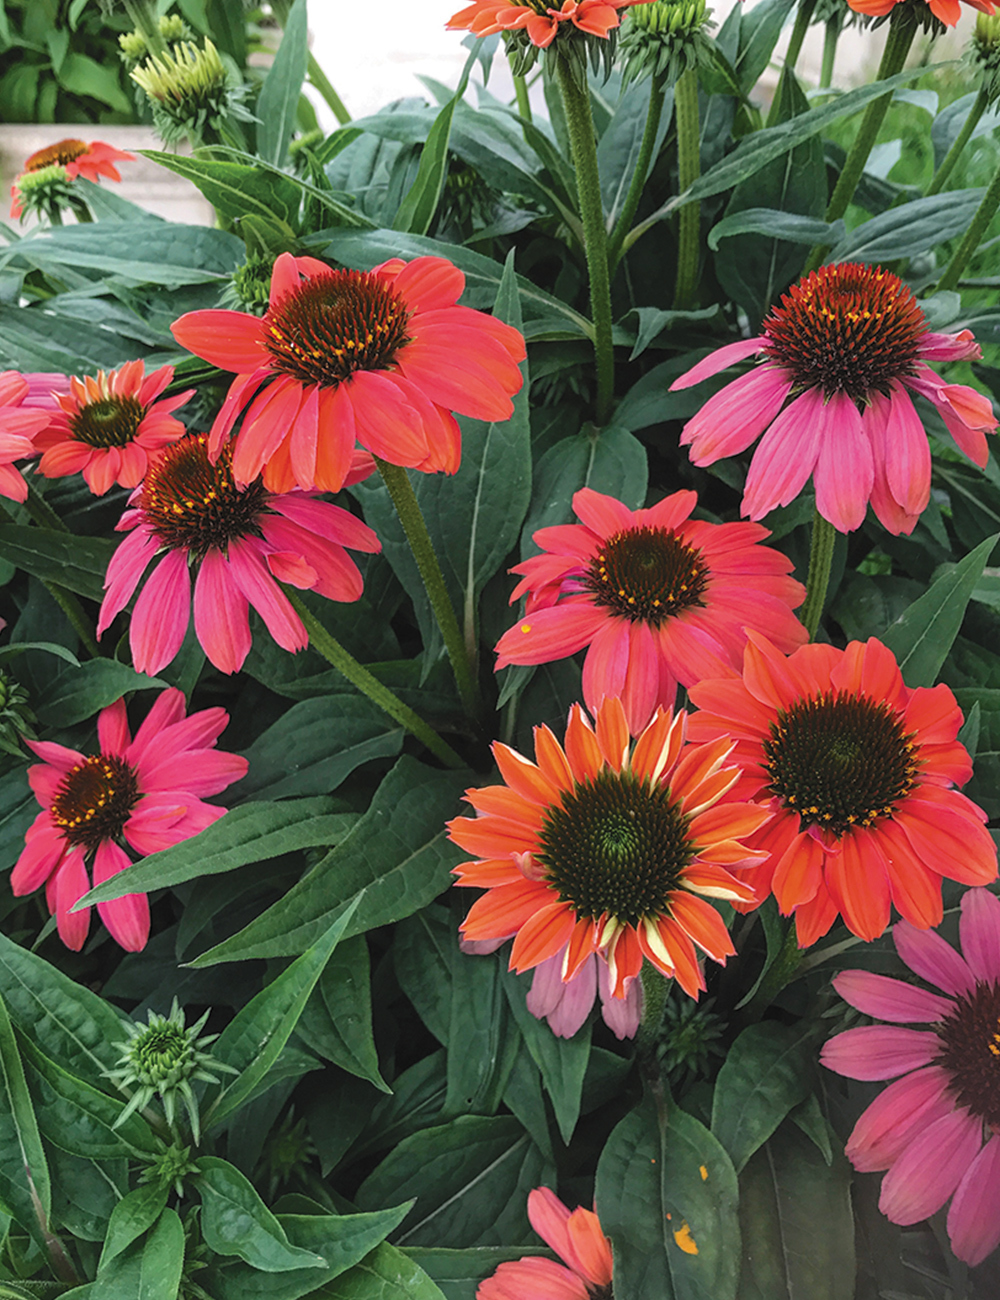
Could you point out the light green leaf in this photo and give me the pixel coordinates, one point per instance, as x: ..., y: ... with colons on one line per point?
x: 132, y: 1216
x: 279, y: 95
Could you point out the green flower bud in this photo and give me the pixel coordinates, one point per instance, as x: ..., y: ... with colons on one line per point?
x: 16, y: 719
x: 190, y: 91
x: 688, y: 1038
x: 48, y: 192
x: 170, y: 1167
x: 665, y: 38
x: 250, y: 287
x: 985, y: 53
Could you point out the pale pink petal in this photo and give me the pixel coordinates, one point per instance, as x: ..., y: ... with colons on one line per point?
x: 731, y: 420
x: 564, y: 1005
x: 621, y: 1015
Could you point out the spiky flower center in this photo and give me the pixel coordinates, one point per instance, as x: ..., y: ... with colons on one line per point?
x: 94, y: 800
x: 970, y: 1052
x: 196, y: 506
x: 335, y: 324
x: 848, y: 329
x: 617, y: 846
x: 840, y: 760
x: 112, y: 422
x: 647, y: 574
x: 63, y: 152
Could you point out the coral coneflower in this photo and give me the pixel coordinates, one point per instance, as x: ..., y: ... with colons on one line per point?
x: 91, y: 161
x: 937, y: 1128
x: 110, y: 427
x: 604, y: 847
x: 19, y: 425
x: 859, y: 770
x: 657, y: 597
x: 242, y: 541
x: 379, y: 357
x: 538, y: 19
x: 947, y: 11
x: 847, y: 344
x: 146, y: 792
x: 576, y: 1237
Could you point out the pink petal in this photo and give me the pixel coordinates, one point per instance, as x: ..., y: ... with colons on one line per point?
x: 161, y: 614
x: 64, y: 891
x: 844, y: 469
x: 786, y: 456
x: 980, y: 933
x: 112, y: 729
x: 879, y: 1051
x: 731, y: 420
x: 621, y: 1015
x: 891, y: 999
x: 168, y: 709
x: 974, y: 1216
x: 930, y: 1168
x: 564, y: 1005
x: 720, y: 359
x: 936, y: 961
x: 251, y: 576
x: 221, y: 614
x: 908, y: 454
x: 127, y: 918
x: 902, y: 1110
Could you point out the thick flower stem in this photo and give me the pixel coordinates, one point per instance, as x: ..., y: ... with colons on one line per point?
x: 583, y: 147
x: 641, y: 173
x: 830, y: 39
x: 689, y: 169
x: 902, y: 29
x: 824, y: 538
x: 655, y: 988
x: 970, y: 241
x: 43, y: 515
x: 408, y: 508
x: 521, y: 97
x: 803, y: 18
x: 334, y: 653
x: 979, y: 107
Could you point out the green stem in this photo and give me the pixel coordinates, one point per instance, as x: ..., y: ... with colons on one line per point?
x: 970, y: 241
x: 583, y: 148
x: 978, y: 108
x: 655, y: 989
x: 824, y: 538
x: 781, y: 973
x: 830, y: 40
x: 902, y: 29
x: 802, y: 20
x: 641, y: 173
x: 43, y: 515
x: 142, y: 15
x: 521, y: 96
x: 334, y: 653
x: 689, y: 169
x: 408, y: 508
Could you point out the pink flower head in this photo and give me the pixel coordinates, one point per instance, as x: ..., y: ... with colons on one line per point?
x: 19, y: 425
x: 540, y: 20
x: 576, y: 1237
x: 847, y: 345
x: 379, y: 357
x: 242, y: 541
x: 658, y: 598
x: 859, y: 771
x: 146, y: 792
x: 111, y: 427
x: 937, y: 1128
x: 91, y: 161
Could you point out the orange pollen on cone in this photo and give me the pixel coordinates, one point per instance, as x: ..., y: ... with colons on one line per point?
x: 193, y: 505
x: 648, y: 575
x: 335, y: 324
x: 970, y: 1052
x: 848, y: 329
x: 94, y: 800
x: 111, y: 422
x: 65, y: 151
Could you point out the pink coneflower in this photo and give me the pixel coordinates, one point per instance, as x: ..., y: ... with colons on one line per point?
x: 576, y: 1237
x: 110, y: 427
x: 147, y: 792
x: 379, y: 357
x: 859, y: 770
x: 91, y: 161
x: 657, y: 597
x: 538, y: 19
x: 19, y: 425
x: 845, y: 345
x: 602, y: 847
x: 242, y: 541
x: 937, y: 1128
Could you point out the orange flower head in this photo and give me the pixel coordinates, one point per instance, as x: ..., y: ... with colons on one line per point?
x: 539, y: 20
x: 91, y: 161
x: 380, y: 358
x: 946, y: 11
x: 576, y: 1237
x: 860, y: 771
x: 602, y: 846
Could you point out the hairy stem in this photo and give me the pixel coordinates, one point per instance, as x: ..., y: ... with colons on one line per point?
x: 970, y: 240
x: 689, y: 169
x: 824, y: 538
x: 641, y: 173
x: 830, y: 39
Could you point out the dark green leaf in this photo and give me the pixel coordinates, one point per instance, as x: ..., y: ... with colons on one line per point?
x: 237, y: 190
x: 78, y: 563
x: 146, y: 1270
x: 459, y: 1272
x: 778, y: 224
x: 909, y: 229
x: 767, y: 1072
x: 77, y: 695
x: 132, y: 1216
x: 337, y: 1020
x: 25, y: 1190
x: 235, y: 1221
x: 385, y: 1274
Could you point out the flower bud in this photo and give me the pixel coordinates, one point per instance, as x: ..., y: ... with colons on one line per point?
x: 665, y: 38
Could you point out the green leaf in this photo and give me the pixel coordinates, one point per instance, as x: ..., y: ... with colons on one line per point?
x: 416, y: 212
x: 317, y: 744
x: 237, y: 190
x: 48, y: 647
x: 470, y: 1177
x: 235, y: 1221
x: 619, y: 146
x: 85, y: 76
x: 279, y: 95
x: 767, y: 1072
x: 459, y: 1272
x: 132, y: 1216
x: 80, y: 693
x: 910, y: 229
x: 921, y: 638
x: 777, y: 224
x: 562, y: 1061
x: 798, y: 1229
x: 25, y: 1190
x: 251, y: 833
x: 149, y: 1269
x: 666, y: 1195
x: 482, y: 1038
x: 759, y: 32
x: 395, y: 860
x: 385, y: 1274
x: 254, y: 1038
x: 77, y: 563
x: 337, y: 1020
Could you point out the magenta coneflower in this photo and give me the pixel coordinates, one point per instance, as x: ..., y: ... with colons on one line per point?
x: 380, y: 357
x: 937, y: 1128
x: 146, y: 792
x: 242, y: 541
x: 657, y: 597
x: 576, y: 1237
x: 111, y: 426
x: 845, y: 345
